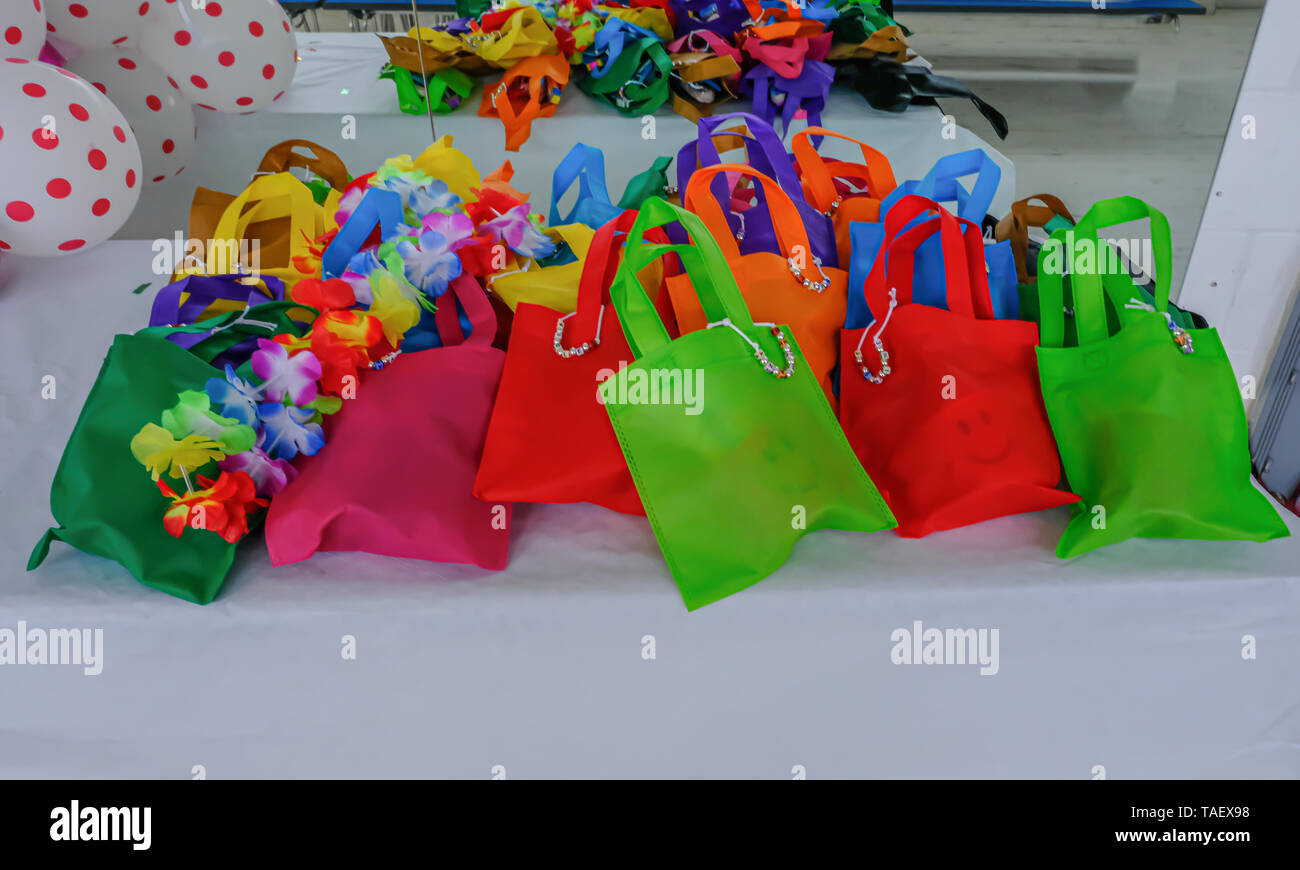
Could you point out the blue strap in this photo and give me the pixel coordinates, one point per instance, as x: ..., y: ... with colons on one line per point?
x: 379, y: 207
x: 988, y: 175
x: 593, y: 207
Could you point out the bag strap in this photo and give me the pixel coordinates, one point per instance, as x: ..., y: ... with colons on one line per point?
x: 482, y: 319
x: 707, y: 191
x: 702, y: 262
x: 322, y: 162
x: 818, y: 175
x: 378, y: 207
x: 203, y: 290
x: 909, y: 219
x: 1015, y: 227
x: 271, y: 197
x: 208, y: 339
x: 1087, y: 284
x: 585, y: 165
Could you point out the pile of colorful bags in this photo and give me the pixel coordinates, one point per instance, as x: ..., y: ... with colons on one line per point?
x: 780, y: 55
x: 788, y: 342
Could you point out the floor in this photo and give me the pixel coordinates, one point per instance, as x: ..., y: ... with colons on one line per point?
x: 1083, y: 143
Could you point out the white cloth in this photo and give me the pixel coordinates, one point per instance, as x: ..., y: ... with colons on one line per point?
x: 1129, y: 657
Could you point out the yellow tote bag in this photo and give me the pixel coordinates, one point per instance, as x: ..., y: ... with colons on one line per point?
x: 556, y: 287
x: 524, y: 34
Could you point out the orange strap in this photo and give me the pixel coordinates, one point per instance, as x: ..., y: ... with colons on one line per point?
x: 519, y: 123
x: 786, y: 222
x: 818, y: 176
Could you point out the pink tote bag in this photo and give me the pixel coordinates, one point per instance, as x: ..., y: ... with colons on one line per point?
x: 396, y: 475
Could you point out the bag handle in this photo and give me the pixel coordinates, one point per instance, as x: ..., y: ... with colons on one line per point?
x: 519, y: 124
x: 322, y: 162
x: 482, y: 319
x: 203, y: 290
x: 1086, y: 286
x: 770, y: 159
x: 585, y: 165
x: 702, y: 262
x: 378, y: 207
x: 707, y: 191
x: 941, y: 184
x: 1015, y: 227
x: 598, y: 271
x: 900, y: 260
x: 901, y: 219
x: 273, y: 196
x: 818, y: 175
x: 209, y: 339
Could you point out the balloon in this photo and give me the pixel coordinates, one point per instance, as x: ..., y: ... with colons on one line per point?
x: 71, y: 164
x: 22, y: 30
x: 229, y: 56
x: 94, y: 23
x: 162, y: 119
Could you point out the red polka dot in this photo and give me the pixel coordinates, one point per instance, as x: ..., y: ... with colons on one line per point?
x: 96, y: 159
x: 158, y: 178
x: 119, y: 134
x: 206, y: 106
x: 102, y: 89
x: 20, y: 211
x: 226, y: 58
x: 171, y: 81
x: 199, y: 81
x: 58, y: 188
x: 16, y: 60
x: 126, y: 63
x: 45, y: 139
x: 32, y: 89
x: 268, y: 71
x: 79, y: 112
x: 214, y: 9
x: 168, y: 146
x: 2, y: 133
x: 130, y: 178
x: 244, y: 101
x: 78, y: 11
x: 49, y: 27
x: 100, y: 208
x: 255, y: 28
x: 120, y: 40
x: 13, y: 36
x: 72, y: 244
x: 153, y: 102
x: 286, y: 26
x: 63, y: 72
x: 4, y: 246
x: 37, y: 4
x: 277, y: 96
x: 144, y: 8
x: 182, y: 37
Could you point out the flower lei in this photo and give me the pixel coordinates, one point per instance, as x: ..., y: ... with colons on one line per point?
x: 253, y: 421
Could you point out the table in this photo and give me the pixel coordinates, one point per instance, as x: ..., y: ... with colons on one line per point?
x: 1128, y: 658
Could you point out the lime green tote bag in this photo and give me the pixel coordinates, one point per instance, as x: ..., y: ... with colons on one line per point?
x: 732, y: 446
x: 1147, y: 415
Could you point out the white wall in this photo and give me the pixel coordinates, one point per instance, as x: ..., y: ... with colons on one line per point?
x: 1243, y: 272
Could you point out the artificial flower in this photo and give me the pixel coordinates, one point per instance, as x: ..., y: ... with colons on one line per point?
x: 489, y: 203
x: 431, y: 266
x: 431, y: 197
x: 289, y: 431
x: 519, y: 233
x: 456, y: 227
x: 357, y: 274
x: 284, y: 375
x: 331, y: 294
x: 237, y: 397
x: 156, y: 449
x: 269, y: 475
x: 391, y: 308
x: 192, y: 415
x: 221, y: 506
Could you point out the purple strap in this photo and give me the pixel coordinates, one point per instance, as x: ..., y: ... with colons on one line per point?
x: 167, y: 309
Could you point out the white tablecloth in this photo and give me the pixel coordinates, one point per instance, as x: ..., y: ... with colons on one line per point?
x: 1128, y: 658
x: 336, y: 81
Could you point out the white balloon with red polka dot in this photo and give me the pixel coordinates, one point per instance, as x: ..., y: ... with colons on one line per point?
x: 22, y: 28
x: 229, y: 55
x: 94, y: 23
x: 162, y: 119
x: 71, y: 165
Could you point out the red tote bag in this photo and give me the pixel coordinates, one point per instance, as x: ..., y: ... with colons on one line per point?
x: 550, y: 439
x: 786, y: 284
x: 943, y: 408
x: 396, y: 475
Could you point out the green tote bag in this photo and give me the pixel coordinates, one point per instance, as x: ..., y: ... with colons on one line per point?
x: 104, y: 500
x: 1147, y: 415
x: 732, y: 446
